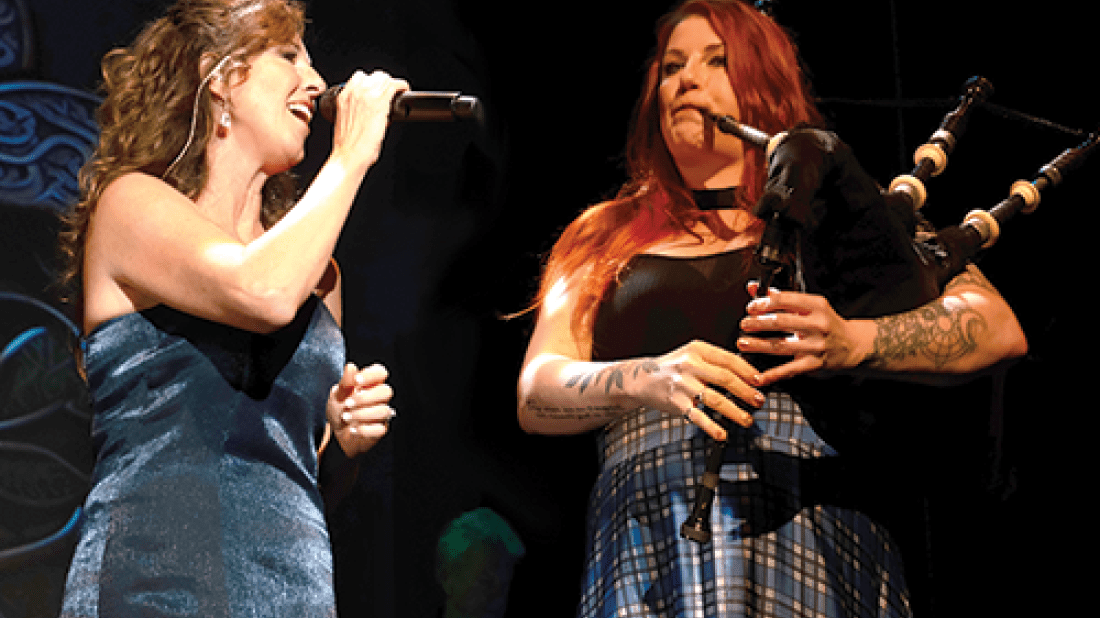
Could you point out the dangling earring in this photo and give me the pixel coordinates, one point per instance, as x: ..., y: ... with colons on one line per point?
x: 224, y: 122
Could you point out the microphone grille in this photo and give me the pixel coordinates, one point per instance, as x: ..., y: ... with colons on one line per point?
x: 326, y: 103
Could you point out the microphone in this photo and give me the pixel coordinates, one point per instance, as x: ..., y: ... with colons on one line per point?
x: 415, y: 106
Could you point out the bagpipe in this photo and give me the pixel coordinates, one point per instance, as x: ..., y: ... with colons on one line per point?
x: 831, y: 230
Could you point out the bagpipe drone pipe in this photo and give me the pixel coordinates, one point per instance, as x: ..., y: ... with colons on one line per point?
x: 831, y: 230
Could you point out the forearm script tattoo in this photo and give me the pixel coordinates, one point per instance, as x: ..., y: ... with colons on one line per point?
x: 940, y: 332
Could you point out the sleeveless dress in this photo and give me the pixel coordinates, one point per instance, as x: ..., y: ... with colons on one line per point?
x: 204, y: 500
x: 782, y: 545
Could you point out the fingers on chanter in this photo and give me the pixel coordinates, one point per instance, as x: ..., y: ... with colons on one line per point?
x: 775, y: 303
x: 798, y: 366
x: 731, y: 372
x: 734, y: 376
x: 753, y: 287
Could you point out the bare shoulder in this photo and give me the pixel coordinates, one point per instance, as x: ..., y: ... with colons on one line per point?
x: 553, y: 332
x: 134, y: 236
x: 136, y: 190
x: 104, y: 295
x: 133, y: 209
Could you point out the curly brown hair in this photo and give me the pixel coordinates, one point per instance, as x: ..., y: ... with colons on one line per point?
x: 154, y: 90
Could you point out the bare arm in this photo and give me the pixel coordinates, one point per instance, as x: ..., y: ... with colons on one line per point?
x: 148, y: 244
x: 554, y: 396
x: 562, y: 391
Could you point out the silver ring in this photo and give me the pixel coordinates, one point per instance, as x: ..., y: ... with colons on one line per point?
x: 699, y: 400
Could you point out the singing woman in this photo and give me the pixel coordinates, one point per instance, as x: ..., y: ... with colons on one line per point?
x: 210, y: 306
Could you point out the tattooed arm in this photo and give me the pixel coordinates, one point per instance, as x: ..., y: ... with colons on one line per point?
x: 968, y: 328
x: 559, y: 395
x: 562, y: 391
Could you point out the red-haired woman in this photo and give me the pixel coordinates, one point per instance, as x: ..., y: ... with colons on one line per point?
x: 641, y: 301
x: 211, y: 309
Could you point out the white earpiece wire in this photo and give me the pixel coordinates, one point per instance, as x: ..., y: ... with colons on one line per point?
x: 195, y: 113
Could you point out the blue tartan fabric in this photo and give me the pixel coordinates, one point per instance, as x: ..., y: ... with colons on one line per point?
x: 772, y: 553
x: 781, y: 545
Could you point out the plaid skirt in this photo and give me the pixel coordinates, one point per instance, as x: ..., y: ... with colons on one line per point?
x: 774, y: 552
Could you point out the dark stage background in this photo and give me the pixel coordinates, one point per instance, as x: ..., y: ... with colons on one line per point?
x: 449, y: 228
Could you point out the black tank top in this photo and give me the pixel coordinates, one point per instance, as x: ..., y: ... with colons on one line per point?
x: 662, y: 302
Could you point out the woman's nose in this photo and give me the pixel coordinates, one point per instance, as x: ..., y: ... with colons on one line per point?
x: 314, y: 83
x: 690, y: 76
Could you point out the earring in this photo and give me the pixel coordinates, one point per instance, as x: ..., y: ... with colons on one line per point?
x: 225, y: 121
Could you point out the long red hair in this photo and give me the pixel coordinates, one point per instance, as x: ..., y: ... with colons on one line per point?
x: 654, y: 203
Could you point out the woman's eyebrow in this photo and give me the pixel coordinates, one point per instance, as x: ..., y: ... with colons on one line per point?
x: 676, y: 52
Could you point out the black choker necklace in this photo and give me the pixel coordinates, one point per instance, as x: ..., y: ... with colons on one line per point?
x: 715, y: 199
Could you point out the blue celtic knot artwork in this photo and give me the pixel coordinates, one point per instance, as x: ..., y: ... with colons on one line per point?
x: 45, y: 456
x: 47, y: 132
x: 15, y: 37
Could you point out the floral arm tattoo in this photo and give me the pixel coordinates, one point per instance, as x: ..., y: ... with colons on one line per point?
x: 941, y: 332
x: 612, y: 377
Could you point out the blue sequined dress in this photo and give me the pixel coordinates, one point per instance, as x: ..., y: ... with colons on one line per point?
x: 204, y: 500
